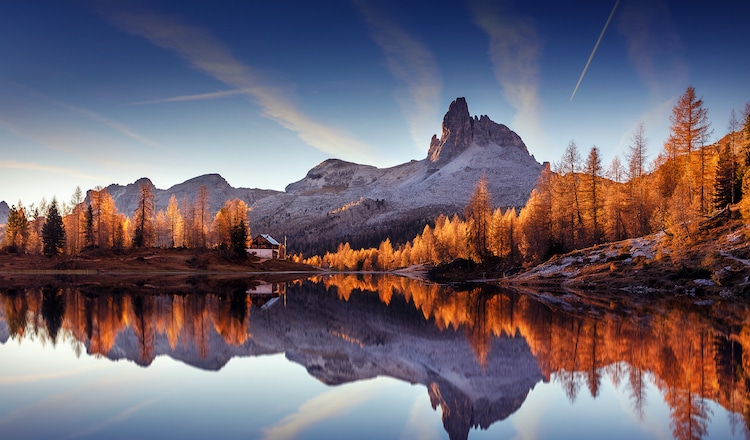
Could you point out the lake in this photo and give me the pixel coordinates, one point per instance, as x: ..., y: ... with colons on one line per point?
x: 367, y: 357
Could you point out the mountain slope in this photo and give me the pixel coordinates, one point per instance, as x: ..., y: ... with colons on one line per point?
x: 340, y: 201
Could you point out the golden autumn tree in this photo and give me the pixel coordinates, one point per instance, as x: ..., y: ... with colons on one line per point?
x: 615, y: 203
x: 96, y: 197
x: 478, y: 214
x: 174, y: 218
x: 143, y: 235
x: 639, y: 205
x: 187, y: 211
x: 567, y: 211
x: 231, y: 215
x: 688, y: 134
x: 201, y: 217
x: 162, y: 236
x: 593, y: 194
x: 74, y: 222
x: 385, y: 255
x: 536, y: 219
x: 17, y: 228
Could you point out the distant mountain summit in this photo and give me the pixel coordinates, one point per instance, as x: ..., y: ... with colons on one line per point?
x: 219, y: 191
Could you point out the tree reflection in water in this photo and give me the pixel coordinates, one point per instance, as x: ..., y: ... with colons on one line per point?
x: 345, y: 328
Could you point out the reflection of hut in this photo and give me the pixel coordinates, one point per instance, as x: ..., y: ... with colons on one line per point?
x: 264, y: 288
x: 264, y: 295
x: 265, y: 246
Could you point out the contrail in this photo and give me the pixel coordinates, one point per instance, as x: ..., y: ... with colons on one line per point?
x: 596, y: 46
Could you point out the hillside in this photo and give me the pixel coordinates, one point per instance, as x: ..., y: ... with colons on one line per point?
x: 709, y: 271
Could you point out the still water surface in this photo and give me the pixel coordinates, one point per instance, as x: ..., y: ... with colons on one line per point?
x: 366, y: 357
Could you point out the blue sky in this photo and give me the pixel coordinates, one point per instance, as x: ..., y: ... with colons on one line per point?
x: 100, y: 92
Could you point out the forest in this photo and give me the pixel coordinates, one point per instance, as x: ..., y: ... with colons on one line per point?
x: 95, y: 222
x: 577, y: 203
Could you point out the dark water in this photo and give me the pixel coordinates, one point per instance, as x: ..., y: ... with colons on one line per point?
x: 360, y: 357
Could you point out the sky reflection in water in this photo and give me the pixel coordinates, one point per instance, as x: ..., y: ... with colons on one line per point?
x: 359, y: 368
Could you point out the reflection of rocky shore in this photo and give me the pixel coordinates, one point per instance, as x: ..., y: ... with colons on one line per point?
x: 477, y: 351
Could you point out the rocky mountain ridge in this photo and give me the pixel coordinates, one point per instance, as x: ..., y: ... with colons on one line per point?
x: 219, y: 191
x: 341, y: 201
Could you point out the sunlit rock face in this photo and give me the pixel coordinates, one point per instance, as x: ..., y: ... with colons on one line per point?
x: 460, y: 131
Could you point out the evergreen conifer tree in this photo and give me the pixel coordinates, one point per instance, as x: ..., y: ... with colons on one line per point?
x: 89, y: 228
x: 726, y: 179
x: 238, y: 238
x: 53, y: 231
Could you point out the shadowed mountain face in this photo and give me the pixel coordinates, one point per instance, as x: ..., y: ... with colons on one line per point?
x: 477, y: 351
x: 341, y: 201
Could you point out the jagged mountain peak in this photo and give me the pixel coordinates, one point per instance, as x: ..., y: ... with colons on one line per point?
x: 460, y: 131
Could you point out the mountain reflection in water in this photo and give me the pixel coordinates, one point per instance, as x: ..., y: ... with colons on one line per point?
x: 478, y: 351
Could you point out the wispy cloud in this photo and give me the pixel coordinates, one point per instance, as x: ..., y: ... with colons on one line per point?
x: 31, y: 166
x: 33, y: 378
x: 115, y: 419
x: 514, y: 51
x: 120, y: 127
x: 411, y: 63
x: 335, y: 402
x: 196, y: 97
x: 207, y: 54
x: 655, y: 121
x: 35, y: 116
x: 654, y: 46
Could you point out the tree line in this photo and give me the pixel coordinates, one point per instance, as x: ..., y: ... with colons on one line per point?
x: 576, y: 203
x: 579, y: 203
x: 95, y: 222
